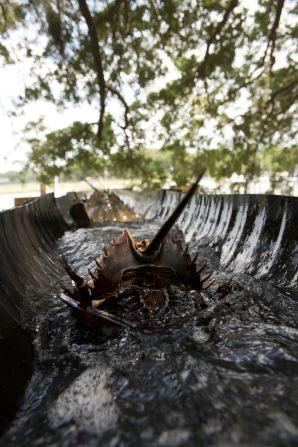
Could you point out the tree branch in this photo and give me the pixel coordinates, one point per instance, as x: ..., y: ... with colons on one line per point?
x: 282, y: 90
x: 216, y: 32
x: 272, y: 35
x: 97, y: 56
x: 116, y: 15
x: 115, y: 92
x: 250, y: 80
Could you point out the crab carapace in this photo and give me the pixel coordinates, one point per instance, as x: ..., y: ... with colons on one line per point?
x: 105, y: 206
x: 138, y: 282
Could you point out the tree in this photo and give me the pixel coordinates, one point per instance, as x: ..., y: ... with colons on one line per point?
x: 205, y: 75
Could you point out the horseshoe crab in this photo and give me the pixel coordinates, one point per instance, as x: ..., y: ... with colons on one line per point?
x: 105, y: 206
x: 142, y: 283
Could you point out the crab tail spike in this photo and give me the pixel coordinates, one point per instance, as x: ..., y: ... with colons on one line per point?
x: 94, y: 277
x: 69, y: 292
x: 185, y: 251
x: 163, y: 231
x: 201, y: 268
x: 90, y: 184
x: 206, y: 278
x: 195, y: 258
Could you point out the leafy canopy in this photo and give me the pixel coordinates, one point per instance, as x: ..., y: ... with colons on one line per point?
x: 182, y: 76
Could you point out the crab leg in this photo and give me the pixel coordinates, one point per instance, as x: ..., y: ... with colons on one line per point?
x: 94, y: 277
x: 82, y: 286
x: 206, y: 278
x: 201, y: 268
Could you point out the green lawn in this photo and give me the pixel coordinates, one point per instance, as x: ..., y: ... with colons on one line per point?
x: 10, y: 188
x: 18, y: 188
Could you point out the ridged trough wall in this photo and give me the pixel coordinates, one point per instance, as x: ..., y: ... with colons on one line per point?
x: 254, y: 234
x: 28, y: 261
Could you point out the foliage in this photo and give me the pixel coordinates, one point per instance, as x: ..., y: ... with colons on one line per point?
x: 217, y: 81
x: 281, y: 163
x: 276, y: 160
x: 61, y: 151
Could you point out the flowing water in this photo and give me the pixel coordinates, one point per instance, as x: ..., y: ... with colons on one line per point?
x: 231, y: 380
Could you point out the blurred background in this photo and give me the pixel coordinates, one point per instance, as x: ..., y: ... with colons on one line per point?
x: 141, y: 94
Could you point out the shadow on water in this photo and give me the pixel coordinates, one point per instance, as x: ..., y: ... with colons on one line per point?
x: 231, y: 381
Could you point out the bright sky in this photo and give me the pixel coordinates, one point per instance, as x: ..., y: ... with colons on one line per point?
x: 12, y: 81
x: 12, y: 150
x: 9, y: 87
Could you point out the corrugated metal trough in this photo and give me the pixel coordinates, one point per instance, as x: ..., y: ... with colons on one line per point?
x: 254, y: 234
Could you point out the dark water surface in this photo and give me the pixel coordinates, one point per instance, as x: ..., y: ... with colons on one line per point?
x: 230, y: 382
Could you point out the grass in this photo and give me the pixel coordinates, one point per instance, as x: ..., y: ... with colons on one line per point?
x: 34, y: 187
x: 10, y: 188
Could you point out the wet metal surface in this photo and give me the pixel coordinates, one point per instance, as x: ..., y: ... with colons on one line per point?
x: 29, y: 261
x: 229, y: 381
